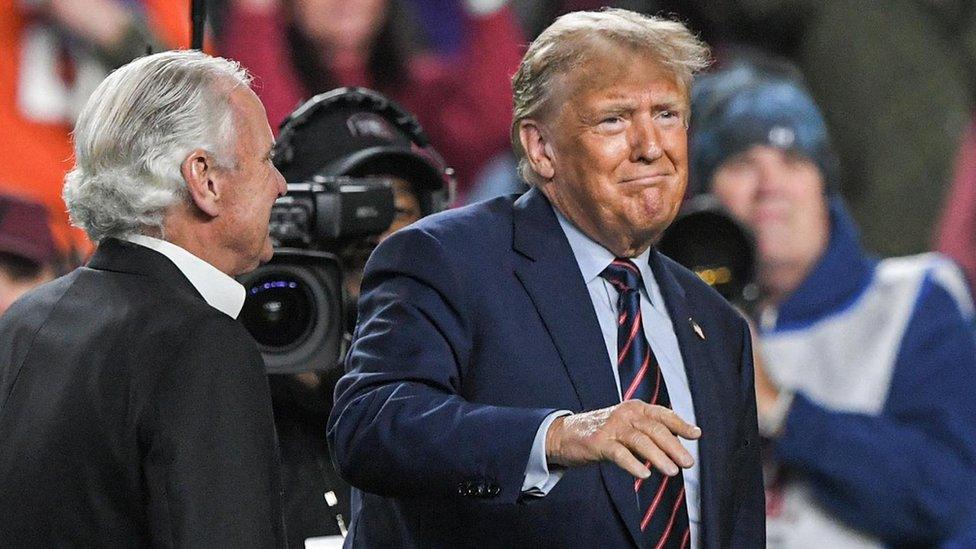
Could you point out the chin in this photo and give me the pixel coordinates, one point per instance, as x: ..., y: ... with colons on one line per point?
x: 267, y: 252
x: 654, y: 221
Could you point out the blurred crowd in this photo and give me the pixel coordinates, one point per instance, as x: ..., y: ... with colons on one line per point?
x: 893, y: 85
x: 896, y: 82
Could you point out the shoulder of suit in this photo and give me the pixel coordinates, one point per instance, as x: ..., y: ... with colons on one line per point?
x: 140, y: 299
x: 469, y: 229
x: 473, y: 216
x: 33, y: 308
x: 212, y: 327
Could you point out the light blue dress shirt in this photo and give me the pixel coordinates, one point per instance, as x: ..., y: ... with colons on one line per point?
x: 592, y: 259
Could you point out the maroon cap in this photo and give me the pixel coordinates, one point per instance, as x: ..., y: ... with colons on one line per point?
x: 24, y: 230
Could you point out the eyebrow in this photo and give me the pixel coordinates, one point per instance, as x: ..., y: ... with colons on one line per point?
x: 617, y: 105
x: 614, y: 104
x: 674, y: 105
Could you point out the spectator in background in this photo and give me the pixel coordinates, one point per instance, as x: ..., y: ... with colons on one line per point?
x: 867, y: 367
x: 52, y: 55
x: 907, y: 68
x: 27, y: 252
x: 311, y: 46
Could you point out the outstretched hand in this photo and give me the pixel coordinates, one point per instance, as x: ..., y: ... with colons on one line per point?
x: 633, y: 434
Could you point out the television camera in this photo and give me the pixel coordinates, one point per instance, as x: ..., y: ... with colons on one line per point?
x: 340, y: 153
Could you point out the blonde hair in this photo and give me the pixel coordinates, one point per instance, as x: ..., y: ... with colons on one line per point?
x: 570, y: 41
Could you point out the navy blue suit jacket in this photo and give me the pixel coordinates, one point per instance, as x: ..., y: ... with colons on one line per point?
x: 475, y: 324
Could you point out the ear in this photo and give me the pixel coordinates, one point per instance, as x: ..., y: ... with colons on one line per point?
x: 199, y: 170
x: 538, y: 151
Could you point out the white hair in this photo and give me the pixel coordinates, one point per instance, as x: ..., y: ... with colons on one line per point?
x: 134, y: 133
x: 571, y: 41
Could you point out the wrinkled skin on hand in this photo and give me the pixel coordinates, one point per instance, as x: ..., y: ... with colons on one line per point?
x: 633, y: 434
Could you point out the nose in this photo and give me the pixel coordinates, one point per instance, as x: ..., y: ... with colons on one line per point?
x: 282, y: 184
x: 645, y: 141
x: 770, y: 171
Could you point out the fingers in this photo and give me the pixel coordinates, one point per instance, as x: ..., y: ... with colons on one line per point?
x: 656, y: 441
x: 645, y: 447
x: 633, y: 434
x: 623, y: 457
x: 672, y: 421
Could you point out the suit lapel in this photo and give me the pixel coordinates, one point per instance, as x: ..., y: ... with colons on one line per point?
x: 704, y: 394
x: 551, y: 277
x: 553, y: 281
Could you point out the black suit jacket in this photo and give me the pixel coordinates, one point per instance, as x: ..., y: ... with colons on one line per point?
x: 474, y: 325
x: 132, y: 414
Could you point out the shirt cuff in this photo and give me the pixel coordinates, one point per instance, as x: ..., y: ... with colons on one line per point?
x: 538, y: 479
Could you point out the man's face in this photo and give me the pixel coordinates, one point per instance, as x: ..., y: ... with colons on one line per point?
x: 407, y: 207
x: 408, y: 210
x: 780, y: 196
x: 255, y: 185
x: 342, y: 25
x: 619, y: 150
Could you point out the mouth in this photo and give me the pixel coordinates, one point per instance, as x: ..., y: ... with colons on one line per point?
x: 650, y: 179
x: 771, y: 213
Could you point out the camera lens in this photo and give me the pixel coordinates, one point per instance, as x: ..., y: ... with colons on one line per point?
x: 293, y: 310
x: 279, y: 311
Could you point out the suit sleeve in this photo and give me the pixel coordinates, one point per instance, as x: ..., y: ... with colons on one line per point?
x: 401, y: 425
x: 908, y: 474
x: 210, y: 456
x: 750, y: 503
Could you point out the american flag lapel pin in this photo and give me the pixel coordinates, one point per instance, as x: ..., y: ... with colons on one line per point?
x: 696, y: 328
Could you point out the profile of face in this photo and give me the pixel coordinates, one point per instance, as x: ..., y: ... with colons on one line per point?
x: 252, y: 186
x: 614, y: 156
x: 341, y: 24
x: 780, y: 196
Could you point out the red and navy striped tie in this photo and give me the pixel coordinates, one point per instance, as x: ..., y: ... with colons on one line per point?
x: 663, y: 512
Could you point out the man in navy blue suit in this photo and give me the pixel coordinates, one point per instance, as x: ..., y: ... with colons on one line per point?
x: 530, y: 371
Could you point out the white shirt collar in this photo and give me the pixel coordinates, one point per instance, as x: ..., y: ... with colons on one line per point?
x: 593, y: 258
x: 221, y: 291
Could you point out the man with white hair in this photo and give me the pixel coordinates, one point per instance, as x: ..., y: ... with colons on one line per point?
x: 530, y: 372
x: 134, y: 409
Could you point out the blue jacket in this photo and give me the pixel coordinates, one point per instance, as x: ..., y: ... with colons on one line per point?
x: 906, y: 475
x: 475, y: 324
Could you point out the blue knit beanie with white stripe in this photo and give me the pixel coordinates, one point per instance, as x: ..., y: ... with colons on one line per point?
x: 741, y: 106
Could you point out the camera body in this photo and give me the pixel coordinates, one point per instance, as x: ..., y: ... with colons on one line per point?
x: 331, y: 209
x: 294, y: 303
x: 707, y: 240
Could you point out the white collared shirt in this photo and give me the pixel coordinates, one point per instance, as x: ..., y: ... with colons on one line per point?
x: 221, y: 291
